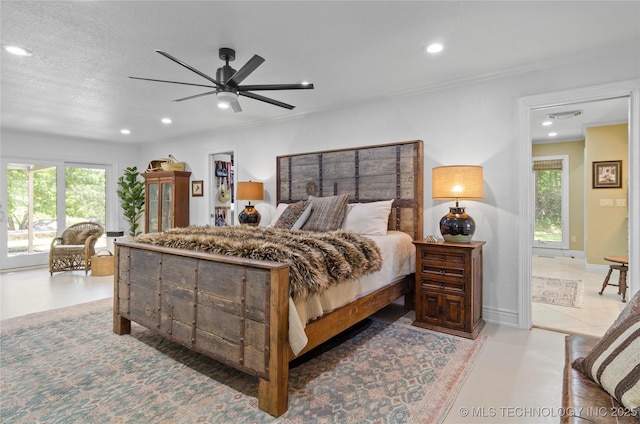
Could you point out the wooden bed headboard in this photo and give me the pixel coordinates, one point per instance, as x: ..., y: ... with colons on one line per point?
x: 368, y: 174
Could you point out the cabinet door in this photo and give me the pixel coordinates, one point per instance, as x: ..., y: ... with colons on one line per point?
x: 428, y: 308
x: 153, y: 193
x: 453, y: 311
x: 167, y: 206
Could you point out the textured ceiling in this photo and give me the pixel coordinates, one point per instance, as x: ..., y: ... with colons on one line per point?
x: 76, y: 84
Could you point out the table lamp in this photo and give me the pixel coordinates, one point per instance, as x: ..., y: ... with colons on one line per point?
x: 457, y: 182
x: 249, y: 190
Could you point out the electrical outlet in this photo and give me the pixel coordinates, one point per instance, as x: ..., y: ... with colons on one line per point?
x: 573, y: 239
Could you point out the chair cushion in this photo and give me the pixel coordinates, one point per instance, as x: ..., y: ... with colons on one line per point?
x: 70, y: 236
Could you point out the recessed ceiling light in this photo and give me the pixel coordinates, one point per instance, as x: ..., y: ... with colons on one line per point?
x: 17, y: 50
x: 125, y: 131
x: 547, y: 123
x: 553, y: 134
x: 434, y: 48
x: 166, y: 120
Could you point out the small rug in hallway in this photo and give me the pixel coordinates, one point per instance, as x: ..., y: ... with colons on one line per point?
x: 556, y: 291
x: 68, y: 366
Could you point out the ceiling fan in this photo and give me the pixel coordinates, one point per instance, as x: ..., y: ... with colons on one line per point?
x: 227, y: 86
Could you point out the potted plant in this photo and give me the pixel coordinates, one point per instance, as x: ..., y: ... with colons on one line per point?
x: 131, y: 194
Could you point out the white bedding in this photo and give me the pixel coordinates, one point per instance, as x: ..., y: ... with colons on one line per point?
x: 398, y: 260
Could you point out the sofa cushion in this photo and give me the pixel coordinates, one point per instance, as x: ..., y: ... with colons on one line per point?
x: 632, y: 307
x: 614, y: 363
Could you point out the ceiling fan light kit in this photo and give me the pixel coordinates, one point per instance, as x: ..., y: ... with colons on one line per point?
x: 227, y: 86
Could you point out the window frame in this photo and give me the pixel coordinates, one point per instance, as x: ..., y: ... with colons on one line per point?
x: 564, y: 180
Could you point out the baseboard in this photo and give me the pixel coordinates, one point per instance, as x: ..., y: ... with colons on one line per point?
x: 561, y: 253
x: 500, y: 317
x: 601, y: 269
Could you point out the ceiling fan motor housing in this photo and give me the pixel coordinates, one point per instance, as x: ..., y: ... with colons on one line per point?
x: 223, y: 74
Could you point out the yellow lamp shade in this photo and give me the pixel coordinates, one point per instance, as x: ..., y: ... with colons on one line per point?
x: 457, y: 182
x: 249, y: 190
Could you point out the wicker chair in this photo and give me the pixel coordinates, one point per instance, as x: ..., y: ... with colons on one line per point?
x: 74, y: 248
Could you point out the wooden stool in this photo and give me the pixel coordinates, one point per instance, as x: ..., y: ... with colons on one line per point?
x: 622, y: 280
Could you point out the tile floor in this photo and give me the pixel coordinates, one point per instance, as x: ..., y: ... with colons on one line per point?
x: 595, y: 314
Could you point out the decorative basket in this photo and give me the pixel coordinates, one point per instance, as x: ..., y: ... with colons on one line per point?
x: 172, y: 165
x: 155, y: 165
x: 102, y: 263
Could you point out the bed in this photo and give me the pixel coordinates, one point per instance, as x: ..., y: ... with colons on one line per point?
x: 240, y: 310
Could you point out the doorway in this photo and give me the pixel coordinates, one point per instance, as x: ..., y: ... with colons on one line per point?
x: 42, y: 198
x: 629, y: 90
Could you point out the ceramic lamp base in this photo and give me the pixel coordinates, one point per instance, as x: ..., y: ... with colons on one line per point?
x: 457, y: 226
x: 249, y: 216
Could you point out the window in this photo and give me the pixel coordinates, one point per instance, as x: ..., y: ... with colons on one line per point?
x: 43, y: 198
x: 551, y: 202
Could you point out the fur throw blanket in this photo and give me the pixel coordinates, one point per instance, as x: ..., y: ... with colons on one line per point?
x: 316, y: 260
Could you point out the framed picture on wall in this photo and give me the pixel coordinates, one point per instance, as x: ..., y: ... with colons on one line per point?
x: 607, y: 174
x: 196, y: 188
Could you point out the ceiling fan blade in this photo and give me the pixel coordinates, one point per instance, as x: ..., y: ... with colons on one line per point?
x: 195, y: 97
x: 189, y: 67
x: 173, y: 82
x: 275, y: 87
x: 265, y: 99
x: 244, y: 72
x: 235, y: 105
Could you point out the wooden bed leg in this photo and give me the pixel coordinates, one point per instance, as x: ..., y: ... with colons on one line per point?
x: 273, y: 398
x: 273, y: 394
x: 121, y: 325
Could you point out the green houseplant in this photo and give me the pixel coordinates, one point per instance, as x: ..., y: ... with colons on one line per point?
x: 131, y: 194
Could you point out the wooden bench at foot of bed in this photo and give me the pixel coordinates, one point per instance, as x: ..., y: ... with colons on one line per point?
x: 231, y: 309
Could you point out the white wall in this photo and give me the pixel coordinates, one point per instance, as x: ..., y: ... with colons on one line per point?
x: 471, y: 123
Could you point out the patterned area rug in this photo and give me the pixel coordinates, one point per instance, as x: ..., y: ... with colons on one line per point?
x: 556, y: 291
x: 68, y: 366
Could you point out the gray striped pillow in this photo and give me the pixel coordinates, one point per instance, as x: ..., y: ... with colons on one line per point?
x: 327, y: 213
x: 614, y: 363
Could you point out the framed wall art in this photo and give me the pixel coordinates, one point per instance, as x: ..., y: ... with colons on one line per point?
x: 607, y: 174
x: 196, y: 188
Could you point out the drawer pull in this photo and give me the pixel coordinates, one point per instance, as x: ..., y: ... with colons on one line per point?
x: 442, y: 258
x: 442, y: 272
x: 441, y: 286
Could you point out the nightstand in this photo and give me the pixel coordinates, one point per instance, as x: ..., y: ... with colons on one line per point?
x: 449, y: 287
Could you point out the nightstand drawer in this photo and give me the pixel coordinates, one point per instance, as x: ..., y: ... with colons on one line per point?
x: 442, y: 256
x: 442, y: 286
x: 442, y: 272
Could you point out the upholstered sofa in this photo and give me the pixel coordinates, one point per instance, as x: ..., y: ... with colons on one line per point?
x: 583, y: 399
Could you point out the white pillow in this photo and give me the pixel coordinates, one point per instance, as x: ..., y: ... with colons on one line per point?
x: 368, y: 218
